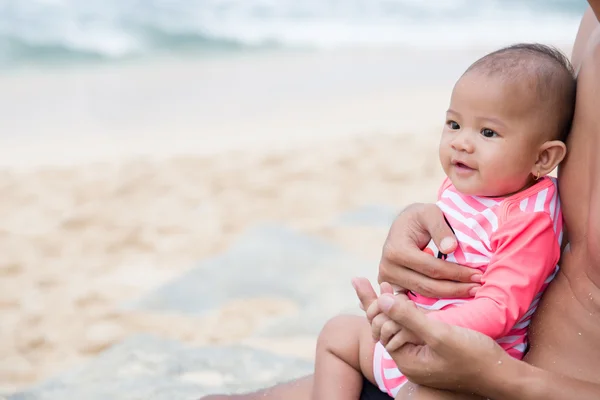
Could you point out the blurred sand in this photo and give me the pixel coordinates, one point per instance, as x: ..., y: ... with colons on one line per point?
x: 78, y: 241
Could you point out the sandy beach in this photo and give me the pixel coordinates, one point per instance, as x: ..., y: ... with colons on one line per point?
x: 114, y: 180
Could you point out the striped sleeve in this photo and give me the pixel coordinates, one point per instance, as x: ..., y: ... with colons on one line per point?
x: 526, y: 253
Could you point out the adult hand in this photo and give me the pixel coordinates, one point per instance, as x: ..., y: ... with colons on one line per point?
x: 382, y: 327
x: 405, y: 265
x: 451, y: 358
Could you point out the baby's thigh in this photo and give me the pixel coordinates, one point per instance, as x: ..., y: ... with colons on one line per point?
x: 412, y: 391
x: 349, y: 338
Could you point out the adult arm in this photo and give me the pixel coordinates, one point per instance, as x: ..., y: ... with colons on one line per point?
x: 595, y: 5
x: 463, y: 360
x: 404, y: 264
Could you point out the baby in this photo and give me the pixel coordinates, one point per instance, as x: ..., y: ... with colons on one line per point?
x: 505, y: 130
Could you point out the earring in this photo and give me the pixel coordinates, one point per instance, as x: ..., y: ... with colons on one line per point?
x: 537, y: 176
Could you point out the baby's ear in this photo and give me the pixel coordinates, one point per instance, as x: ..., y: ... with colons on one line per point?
x: 551, y: 153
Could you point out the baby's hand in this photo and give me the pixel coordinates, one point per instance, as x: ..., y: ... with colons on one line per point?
x: 390, y: 333
x: 399, y: 339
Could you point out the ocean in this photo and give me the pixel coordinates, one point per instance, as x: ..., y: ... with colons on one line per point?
x: 64, y: 32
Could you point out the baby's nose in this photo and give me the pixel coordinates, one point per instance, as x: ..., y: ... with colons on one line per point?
x: 462, y: 142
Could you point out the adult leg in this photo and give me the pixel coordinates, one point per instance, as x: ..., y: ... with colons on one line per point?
x: 344, y: 355
x: 412, y: 391
x: 299, y: 389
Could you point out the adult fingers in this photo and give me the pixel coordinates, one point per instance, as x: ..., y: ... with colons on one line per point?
x: 395, y: 259
x: 437, y: 286
x: 406, y: 314
x: 386, y: 288
x: 364, y: 291
x: 432, y: 220
x: 373, y: 309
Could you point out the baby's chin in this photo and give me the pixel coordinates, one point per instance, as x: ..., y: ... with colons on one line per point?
x: 472, y: 189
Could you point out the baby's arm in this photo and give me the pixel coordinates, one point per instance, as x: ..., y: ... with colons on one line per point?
x: 526, y: 254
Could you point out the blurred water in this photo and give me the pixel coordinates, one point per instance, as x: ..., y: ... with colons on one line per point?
x: 65, y: 31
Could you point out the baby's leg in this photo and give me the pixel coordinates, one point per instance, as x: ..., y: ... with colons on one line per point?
x: 344, y: 355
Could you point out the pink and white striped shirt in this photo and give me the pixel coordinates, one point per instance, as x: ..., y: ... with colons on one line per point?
x: 515, y: 242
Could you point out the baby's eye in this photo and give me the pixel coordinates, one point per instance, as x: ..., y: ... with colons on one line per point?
x: 453, y: 125
x: 488, y: 133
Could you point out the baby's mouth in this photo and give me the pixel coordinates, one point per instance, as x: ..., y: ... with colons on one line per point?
x: 462, y: 166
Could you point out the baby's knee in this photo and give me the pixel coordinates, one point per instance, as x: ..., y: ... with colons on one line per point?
x: 340, y: 330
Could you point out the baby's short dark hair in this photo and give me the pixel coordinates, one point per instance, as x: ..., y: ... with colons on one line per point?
x: 549, y: 72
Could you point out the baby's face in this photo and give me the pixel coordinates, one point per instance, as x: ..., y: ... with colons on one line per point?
x: 491, y: 138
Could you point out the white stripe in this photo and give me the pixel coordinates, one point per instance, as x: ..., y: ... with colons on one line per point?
x: 486, y: 202
x: 560, y: 238
x: 508, y: 339
x: 557, y: 209
x: 553, y: 204
x: 540, y: 200
x: 523, y: 204
x: 379, y: 351
x: 473, y: 258
x: 459, y: 202
x: 471, y: 242
x: 522, y: 325
x: 491, y: 217
x: 451, y: 258
x: 520, y: 347
x: 529, y: 313
x: 463, y: 206
x: 549, y: 279
x: 438, y: 305
x: 470, y: 222
x: 391, y: 373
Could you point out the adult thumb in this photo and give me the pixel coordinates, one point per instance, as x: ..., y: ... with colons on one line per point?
x: 440, y: 231
x: 364, y: 291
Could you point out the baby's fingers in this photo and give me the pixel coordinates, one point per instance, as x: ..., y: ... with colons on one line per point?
x: 398, y: 340
x: 377, y: 325
x: 389, y: 330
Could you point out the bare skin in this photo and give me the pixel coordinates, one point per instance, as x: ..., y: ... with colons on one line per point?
x: 565, y: 335
x: 342, y: 360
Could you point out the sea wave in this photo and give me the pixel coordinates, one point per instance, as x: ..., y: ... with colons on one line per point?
x: 40, y: 31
